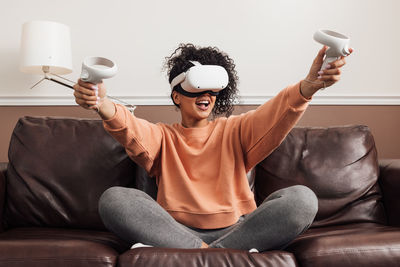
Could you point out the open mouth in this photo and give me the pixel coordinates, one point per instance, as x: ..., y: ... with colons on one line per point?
x: 203, y: 104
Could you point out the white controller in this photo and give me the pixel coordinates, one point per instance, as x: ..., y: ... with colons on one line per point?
x: 95, y: 69
x: 338, y: 45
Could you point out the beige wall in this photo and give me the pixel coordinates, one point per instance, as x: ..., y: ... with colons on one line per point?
x: 138, y: 35
x: 384, y: 121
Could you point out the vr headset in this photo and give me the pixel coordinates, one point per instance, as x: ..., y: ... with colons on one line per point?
x: 201, y: 79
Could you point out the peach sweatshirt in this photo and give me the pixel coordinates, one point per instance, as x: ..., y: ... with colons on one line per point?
x: 201, y: 172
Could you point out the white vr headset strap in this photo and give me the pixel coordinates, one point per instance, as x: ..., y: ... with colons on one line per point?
x: 178, y: 79
x: 181, y: 77
x: 195, y: 63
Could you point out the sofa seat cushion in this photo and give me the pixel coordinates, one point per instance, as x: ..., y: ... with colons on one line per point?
x: 55, y: 252
x: 167, y: 257
x: 41, y: 233
x: 363, y: 244
x: 58, y: 247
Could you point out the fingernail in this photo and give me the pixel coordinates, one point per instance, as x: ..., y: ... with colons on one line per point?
x: 98, y: 98
x: 319, y: 77
x: 320, y: 72
x: 328, y: 66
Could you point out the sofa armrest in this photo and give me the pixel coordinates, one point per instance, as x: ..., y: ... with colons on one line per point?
x: 389, y: 179
x: 3, y: 169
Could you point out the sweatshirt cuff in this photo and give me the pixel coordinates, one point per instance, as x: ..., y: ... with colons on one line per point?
x: 295, y: 99
x: 117, y: 122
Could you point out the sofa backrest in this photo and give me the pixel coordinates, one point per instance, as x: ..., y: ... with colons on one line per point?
x: 339, y: 164
x: 58, y: 168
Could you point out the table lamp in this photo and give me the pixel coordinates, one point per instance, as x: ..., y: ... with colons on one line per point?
x: 46, y: 49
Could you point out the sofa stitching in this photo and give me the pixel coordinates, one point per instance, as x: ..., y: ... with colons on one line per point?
x: 344, y: 251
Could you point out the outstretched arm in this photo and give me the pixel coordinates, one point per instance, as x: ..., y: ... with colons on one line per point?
x: 262, y: 130
x: 141, y: 139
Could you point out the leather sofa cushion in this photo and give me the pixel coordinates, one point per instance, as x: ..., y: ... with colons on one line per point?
x: 339, y: 164
x: 144, y: 257
x: 58, y: 168
x: 364, y: 244
x: 41, y: 233
x: 58, y: 247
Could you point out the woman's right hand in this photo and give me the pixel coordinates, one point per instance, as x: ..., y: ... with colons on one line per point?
x: 94, y: 97
x: 88, y: 95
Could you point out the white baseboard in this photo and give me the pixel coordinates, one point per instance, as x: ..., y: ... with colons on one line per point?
x: 166, y: 101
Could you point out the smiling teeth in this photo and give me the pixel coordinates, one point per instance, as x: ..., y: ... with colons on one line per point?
x: 203, y: 102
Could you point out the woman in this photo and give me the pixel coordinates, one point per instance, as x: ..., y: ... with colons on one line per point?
x: 200, y: 164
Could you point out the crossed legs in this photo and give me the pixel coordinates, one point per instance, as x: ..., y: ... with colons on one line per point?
x: 136, y: 217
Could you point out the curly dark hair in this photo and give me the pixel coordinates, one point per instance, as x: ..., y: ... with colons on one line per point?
x: 178, y: 62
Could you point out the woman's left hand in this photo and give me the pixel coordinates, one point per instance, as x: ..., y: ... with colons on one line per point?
x: 317, y: 79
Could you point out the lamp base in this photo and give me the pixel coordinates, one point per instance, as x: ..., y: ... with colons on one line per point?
x: 47, y: 77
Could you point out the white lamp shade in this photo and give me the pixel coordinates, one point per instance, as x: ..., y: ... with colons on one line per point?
x: 45, y: 43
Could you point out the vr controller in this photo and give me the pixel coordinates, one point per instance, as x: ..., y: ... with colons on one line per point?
x: 201, y: 78
x: 338, y: 45
x: 95, y: 69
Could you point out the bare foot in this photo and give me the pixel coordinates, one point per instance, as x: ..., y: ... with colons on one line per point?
x: 204, y: 245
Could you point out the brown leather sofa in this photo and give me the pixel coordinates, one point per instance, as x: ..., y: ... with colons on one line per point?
x: 58, y: 168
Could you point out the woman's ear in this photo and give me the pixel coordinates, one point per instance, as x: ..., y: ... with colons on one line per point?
x: 176, y: 98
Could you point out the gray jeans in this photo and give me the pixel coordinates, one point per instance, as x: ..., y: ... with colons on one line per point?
x: 136, y: 217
